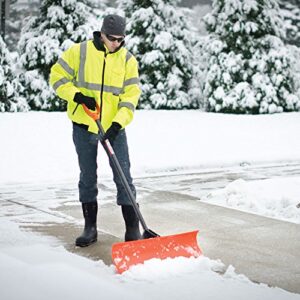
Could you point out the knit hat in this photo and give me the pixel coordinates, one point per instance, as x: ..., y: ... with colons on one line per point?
x: 113, y: 25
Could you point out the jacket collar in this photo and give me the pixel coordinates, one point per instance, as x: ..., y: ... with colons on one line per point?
x: 98, y: 43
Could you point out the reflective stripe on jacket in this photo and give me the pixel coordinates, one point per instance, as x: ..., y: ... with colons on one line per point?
x: 111, y: 78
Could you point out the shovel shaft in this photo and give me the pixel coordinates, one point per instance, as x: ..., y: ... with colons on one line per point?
x: 116, y: 165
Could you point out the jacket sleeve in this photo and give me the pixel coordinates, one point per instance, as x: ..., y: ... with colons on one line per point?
x: 131, y: 93
x: 63, y: 74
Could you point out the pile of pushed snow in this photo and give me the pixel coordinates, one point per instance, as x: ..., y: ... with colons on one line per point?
x: 154, y: 269
x: 277, y: 198
x: 195, y: 278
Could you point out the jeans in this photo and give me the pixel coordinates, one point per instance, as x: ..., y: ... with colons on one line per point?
x: 86, y: 145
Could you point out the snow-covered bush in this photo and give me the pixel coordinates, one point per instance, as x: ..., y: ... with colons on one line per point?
x: 159, y: 37
x: 249, y: 67
x: 59, y: 25
x: 10, y: 87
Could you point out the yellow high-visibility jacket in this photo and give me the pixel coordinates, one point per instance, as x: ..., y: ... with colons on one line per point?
x: 111, y: 78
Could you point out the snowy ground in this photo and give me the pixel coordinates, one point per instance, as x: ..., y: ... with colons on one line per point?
x: 37, y: 148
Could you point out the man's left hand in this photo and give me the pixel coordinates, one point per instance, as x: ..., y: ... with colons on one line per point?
x: 112, y: 132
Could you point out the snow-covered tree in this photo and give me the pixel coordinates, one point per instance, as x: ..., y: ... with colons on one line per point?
x: 290, y: 11
x: 10, y: 88
x: 249, y: 67
x: 159, y: 37
x: 59, y: 24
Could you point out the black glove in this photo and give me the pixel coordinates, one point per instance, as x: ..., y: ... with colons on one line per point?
x: 88, y: 101
x: 112, y: 132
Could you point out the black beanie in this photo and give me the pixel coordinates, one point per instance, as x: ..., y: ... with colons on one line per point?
x: 113, y: 24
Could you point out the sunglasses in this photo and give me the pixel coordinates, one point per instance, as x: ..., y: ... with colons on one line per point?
x: 113, y: 39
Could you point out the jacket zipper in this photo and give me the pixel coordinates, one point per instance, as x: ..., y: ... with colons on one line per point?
x: 75, y: 109
x: 101, y: 93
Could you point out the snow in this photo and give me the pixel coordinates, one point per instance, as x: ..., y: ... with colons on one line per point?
x: 37, y: 271
x: 42, y: 40
x: 161, y: 39
x: 259, y: 58
x: 277, y: 198
x: 37, y: 148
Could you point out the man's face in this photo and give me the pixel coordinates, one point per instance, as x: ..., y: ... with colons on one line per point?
x: 112, y: 42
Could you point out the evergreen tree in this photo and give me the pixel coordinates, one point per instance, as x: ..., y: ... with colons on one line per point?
x: 59, y: 24
x: 159, y: 38
x: 249, y: 69
x: 291, y: 13
x: 10, y: 88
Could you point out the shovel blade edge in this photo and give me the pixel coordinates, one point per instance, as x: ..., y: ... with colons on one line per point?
x: 127, y: 254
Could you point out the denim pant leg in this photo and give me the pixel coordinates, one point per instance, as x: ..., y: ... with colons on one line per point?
x: 86, y: 150
x: 121, y: 150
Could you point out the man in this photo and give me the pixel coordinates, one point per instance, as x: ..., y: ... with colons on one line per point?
x: 103, y: 71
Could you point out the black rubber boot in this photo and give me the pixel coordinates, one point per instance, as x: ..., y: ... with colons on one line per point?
x: 132, y: 224
x: 89, y: 234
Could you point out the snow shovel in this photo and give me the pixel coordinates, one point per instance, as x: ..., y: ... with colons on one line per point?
x: 127, y: 254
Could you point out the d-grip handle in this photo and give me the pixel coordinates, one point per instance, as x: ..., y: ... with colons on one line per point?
x: 93, y: 114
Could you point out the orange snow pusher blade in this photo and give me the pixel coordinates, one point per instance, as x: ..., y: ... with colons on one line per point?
x: 127, y: 254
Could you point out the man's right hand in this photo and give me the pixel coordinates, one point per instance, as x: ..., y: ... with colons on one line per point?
x: 90, y: 102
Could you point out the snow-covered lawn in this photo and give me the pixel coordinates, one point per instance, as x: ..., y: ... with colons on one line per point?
x: 37, y: 148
